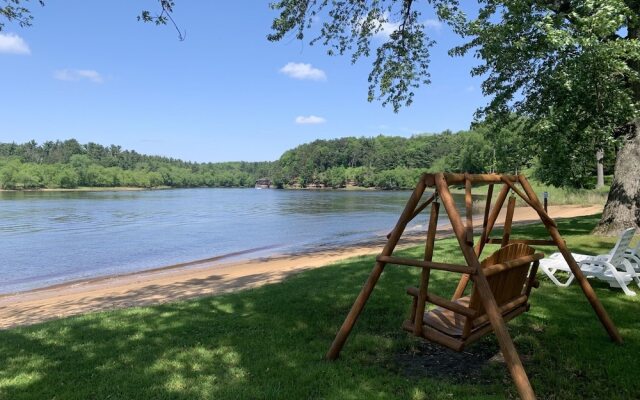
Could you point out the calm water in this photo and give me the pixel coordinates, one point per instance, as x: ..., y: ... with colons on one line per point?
x: 49, y: 238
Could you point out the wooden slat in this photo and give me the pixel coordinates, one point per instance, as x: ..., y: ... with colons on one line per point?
x: 504, y: 309
x: 481, y: 332
x: 436, y: 336
x: 450, y: 305
x: 462, y: 269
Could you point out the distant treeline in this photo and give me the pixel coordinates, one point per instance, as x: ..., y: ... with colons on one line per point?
x: 387, y: 162
x: 69, y: 164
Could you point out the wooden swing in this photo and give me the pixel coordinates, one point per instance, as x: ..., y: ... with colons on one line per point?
x: 502, y: 282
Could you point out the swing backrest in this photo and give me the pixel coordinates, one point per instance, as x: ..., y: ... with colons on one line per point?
x: 508, y: 273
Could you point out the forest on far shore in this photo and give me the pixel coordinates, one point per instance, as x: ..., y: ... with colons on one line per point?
x: 386, y: 162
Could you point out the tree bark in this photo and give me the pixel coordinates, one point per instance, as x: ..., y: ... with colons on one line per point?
x: 600, y: 168
x: 623, y: 203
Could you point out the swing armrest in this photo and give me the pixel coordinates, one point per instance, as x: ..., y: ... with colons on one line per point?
x: 444, y: 303
x: 506, y: 265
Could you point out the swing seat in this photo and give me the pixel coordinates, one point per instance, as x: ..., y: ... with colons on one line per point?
x: 511, y: 274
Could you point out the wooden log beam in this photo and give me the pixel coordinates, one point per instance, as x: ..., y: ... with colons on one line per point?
x: 365, y: 292
x: 476, y: 179
x: 418, y: 210
x: 481, y: 332
x: 539, y: 242
x: 468, y: 201
x: 533, y: 204
x: 579, y: 276
x: 532, y: 281
x: 426, y: 271
x: 504, y: 309
x: 493, y: 216
x: 411, y: 262
x: 485, y: 218
x: 508, y: 220
x: 509, y: 351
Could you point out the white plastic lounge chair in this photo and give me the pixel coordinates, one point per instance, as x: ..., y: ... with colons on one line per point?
x: 633, y: 256
x: 613, y: 268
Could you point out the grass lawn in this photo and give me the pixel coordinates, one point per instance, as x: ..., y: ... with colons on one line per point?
x: 269, y: 343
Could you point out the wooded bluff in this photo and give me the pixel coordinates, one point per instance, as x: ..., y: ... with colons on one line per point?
x: 386, y: 162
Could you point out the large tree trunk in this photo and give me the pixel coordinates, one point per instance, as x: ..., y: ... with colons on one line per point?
x: 623, y: 204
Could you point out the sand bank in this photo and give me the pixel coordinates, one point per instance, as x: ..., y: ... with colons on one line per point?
x: 201, y: 278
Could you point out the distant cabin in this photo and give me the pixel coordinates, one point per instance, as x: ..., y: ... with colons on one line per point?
x: 263, y: 183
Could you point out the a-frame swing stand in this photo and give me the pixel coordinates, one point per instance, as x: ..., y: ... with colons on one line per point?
x: 473, y: 269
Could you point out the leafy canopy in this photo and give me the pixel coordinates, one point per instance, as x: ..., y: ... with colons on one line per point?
x: 570, y: 67
x: 401, y: 62
x: 16, y: 10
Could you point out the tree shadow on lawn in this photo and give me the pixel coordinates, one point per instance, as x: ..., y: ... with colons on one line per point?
x: 269, y: 343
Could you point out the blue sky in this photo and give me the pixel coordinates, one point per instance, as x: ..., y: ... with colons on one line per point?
x: 89, y: 70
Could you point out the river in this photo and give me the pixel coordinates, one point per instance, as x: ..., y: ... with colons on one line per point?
x: 48, y: 238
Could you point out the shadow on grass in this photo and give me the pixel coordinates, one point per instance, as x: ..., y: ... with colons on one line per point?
x: 269, y: 343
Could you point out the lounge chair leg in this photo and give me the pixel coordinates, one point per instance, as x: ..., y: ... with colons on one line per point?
x: 551, y: 274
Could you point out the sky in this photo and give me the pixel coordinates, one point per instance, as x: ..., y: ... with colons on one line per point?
x: 91, y: 71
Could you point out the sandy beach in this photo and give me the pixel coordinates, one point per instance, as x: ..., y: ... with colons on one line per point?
x: 202, y: 278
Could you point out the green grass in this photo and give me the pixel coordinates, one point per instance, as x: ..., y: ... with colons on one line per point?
x: 269, y: 343
x: 557, y: 196
x: 581, y: 197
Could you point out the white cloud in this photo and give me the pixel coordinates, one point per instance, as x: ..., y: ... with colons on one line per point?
x: 388, y: 27
x: 13, y: 44
x: 433, y: 24
x: 78, y: 74
x: 311, y: 119
x: 470, y: 88
x: 303, y: 71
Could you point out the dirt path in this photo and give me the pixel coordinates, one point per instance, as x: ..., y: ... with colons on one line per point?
x: 198, y: 278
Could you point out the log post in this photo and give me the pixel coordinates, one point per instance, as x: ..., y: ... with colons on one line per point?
x: 579, y: 276
x: 485, y: 218
x: 511, y: 205
x: 365, y: 292
x: 424, y: 275
x: 488, y: 301
x: 418, y: 210
x: 495, y: 211
x: 468, y: 202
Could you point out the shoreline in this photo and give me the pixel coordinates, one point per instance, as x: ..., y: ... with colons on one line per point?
x: 86, y: 189
x: 206, y: 277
